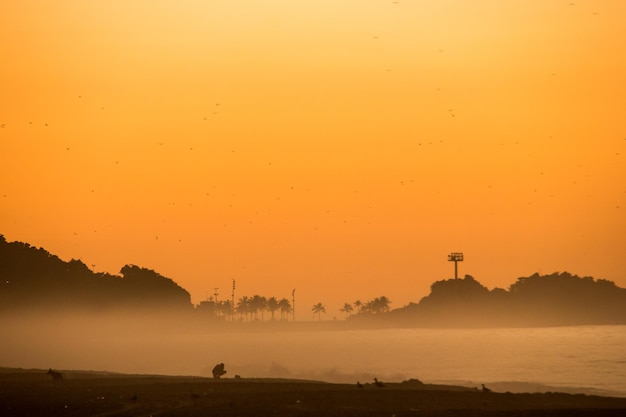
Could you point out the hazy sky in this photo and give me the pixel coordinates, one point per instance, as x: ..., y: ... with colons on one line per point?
x: 342, y: 148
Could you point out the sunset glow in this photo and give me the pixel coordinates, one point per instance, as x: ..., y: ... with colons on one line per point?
x: 342, y: 148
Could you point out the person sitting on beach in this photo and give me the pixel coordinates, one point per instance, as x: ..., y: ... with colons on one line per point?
x: 218, y: 371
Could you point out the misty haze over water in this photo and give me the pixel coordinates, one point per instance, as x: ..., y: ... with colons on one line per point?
x: 580, y: 356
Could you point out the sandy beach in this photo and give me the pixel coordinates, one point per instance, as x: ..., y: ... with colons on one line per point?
x: 81, y: 393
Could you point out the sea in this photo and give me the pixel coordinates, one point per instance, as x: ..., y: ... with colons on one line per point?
x: 577, y: 359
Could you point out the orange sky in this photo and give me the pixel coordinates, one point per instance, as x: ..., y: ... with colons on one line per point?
x: 343, y: 148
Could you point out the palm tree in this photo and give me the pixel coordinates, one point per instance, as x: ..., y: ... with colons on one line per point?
x: 358, y: 304
x: 272, y: 305
x: 256, y: 304
x: 377, y: 305
x: 383, y: 303
x: 226, y: 308
x: 319, y: 309
x: 262, y: 307
x: 243, y: 307
x: 285, y: 307
x: 380, y: 305
x: 347, y: 308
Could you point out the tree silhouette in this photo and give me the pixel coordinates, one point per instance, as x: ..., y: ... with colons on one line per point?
x: 376, y: 306
x: 319, y: 309
x: 225, y: 308
x: 285, y: 307
x: 358, y: 304
x: 382, y: 304
x: 257, y: 303
x: 262, y: 307
x: 249, y: 308
x: 208, y: 308
x: 347, y: 308
x: 215, y: 310
x: 243, y: 307
x: 272, y: 305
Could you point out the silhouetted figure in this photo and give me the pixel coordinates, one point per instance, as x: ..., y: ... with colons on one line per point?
x: 218, y: 371
x: 359, y: 385
x: 56, y: 376
x: 485, y: 389
x: 378, y: 383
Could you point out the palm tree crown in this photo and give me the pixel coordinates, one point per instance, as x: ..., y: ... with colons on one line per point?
x: 319, y: 309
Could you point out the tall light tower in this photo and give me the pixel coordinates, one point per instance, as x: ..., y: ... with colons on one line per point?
x: 215, y: 294
x: 455, y: 257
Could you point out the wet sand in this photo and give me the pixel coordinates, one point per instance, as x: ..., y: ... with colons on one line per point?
x: 33, y: 393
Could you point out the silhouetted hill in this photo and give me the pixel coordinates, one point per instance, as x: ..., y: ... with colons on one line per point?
x: 33, y: 278
x: 537, y: 300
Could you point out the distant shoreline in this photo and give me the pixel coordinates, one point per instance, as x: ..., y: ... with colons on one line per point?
x: 189, y: 322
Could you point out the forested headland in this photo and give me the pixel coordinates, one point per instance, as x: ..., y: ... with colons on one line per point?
x: 33, y: 278
x: 558, y: 299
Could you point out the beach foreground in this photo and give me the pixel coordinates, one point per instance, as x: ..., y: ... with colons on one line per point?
x: 33, y: 393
